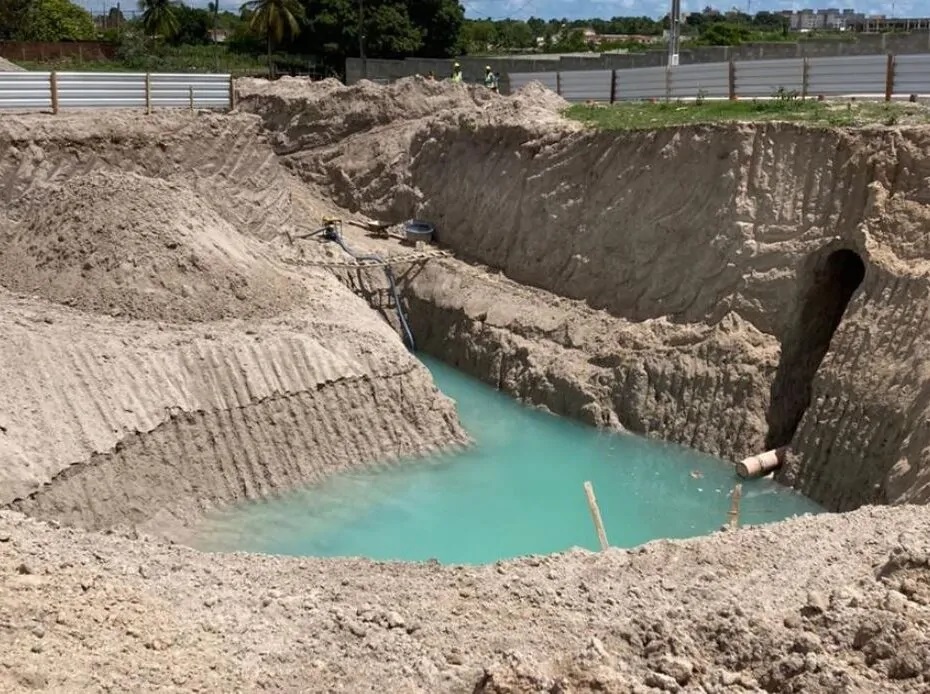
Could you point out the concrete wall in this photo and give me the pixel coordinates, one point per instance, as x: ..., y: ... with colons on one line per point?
x: 473, y: 67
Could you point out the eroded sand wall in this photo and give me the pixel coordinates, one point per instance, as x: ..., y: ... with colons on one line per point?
x: 694, y: 224
x: 698, y: 226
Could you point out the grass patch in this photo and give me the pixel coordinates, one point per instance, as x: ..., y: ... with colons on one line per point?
x: 164, y: 58
x: 650, y: 116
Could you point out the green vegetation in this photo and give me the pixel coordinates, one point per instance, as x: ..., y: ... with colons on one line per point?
x: 167, y: 34
x: 274, y: 19
x: 708, y: 27
x: 650, y: 116
x: 54, y: 20
x: 305, y: 36
x: 159, y: 18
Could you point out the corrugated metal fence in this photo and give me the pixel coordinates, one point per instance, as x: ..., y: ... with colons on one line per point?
x: 56, y: 91
x: 862, y: 76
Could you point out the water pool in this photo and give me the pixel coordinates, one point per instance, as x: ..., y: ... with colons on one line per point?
x: 517, y: 491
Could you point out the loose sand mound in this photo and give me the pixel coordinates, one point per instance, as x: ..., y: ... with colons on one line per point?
x: 7, y: 66
x: 317, y: 113
x: 129, y: 245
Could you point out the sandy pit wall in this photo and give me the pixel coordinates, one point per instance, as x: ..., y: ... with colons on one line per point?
x: 698, y: 227
x: 159, y: 359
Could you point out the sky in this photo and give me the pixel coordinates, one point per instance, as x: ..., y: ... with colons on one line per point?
x: 585, y: 9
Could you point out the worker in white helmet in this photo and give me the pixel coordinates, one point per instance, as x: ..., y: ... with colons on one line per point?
x: 456, y: 72
x: 490, y: 79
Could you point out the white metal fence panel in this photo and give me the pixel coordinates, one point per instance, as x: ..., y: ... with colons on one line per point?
x: 550, y: 80
x: 640, y: 83
x: 708, y: 79
x: 912, y: 74
x: 586, y: 85
x: 32, y: 91
x: 765, y: 77
x: 100, y: 90
x: 847, y: 76
x: 208, y: 91
x: 25, y: 91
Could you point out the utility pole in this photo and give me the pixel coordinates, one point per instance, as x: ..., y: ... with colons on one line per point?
x: 361, y: 38
x: 674, y: 32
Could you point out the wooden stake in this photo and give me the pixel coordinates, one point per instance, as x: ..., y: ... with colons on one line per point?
x: 148, y: 94
x: 232, y: 93
x: 53, y: 86
x: 191, y: 97
x: 731, y: 79
x: 596, y: 515
x: 889, y: 77
x: 733, y: 514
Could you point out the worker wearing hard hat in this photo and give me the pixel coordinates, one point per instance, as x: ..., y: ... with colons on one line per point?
x: 490, y: 79
x: 456, y: 72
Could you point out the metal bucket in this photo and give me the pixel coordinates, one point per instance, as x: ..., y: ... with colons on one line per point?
x: 418, y: 230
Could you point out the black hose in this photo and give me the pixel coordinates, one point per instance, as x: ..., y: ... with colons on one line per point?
x: 334, y: 235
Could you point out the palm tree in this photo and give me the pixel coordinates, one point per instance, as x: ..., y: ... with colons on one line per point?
x: 272, y: 18
x: 158, y: 17
x: 214, y: 9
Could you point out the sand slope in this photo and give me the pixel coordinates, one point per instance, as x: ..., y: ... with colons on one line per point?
x: 219, y: 373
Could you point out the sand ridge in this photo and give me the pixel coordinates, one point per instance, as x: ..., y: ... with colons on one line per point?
x: 826, y: 604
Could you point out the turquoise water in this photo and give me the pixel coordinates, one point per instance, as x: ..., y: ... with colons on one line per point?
x: 518, y: 491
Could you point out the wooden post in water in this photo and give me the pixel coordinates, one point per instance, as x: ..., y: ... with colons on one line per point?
x: 733, y: 514
x: 596, y: 516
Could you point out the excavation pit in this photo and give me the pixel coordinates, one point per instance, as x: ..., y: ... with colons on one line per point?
x: 516, y: 491
x: 166, y: 354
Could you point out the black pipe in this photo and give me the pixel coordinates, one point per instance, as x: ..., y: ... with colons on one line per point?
x: 332, y: 234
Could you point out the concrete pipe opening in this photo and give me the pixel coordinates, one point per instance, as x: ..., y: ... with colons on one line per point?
x: 832, y: 280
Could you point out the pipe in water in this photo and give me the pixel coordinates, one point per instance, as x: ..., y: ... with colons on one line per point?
x: 761, y: 464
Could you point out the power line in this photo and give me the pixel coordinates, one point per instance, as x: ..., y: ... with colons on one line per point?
x: 519, y: 8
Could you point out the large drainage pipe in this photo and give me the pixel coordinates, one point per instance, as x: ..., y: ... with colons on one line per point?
x: 761, y: 464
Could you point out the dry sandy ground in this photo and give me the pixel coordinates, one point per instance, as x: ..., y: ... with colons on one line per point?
x: 7, y: 66
x: 827, y: 604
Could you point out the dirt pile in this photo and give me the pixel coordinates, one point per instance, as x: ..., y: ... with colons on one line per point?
x: 357, y: 143
x: 247, y: 376
x: 126, y: 244
x: 7, y: 66
x: 814, y: 605
x: 695, y: 226
x: 316, y: 113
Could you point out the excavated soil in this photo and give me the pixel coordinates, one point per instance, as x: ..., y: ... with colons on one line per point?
x: 7, y: 66
x: 128, y: 244
x: 170, y: 345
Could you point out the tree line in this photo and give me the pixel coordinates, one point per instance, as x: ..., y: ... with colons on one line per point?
x: 331, y: 30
